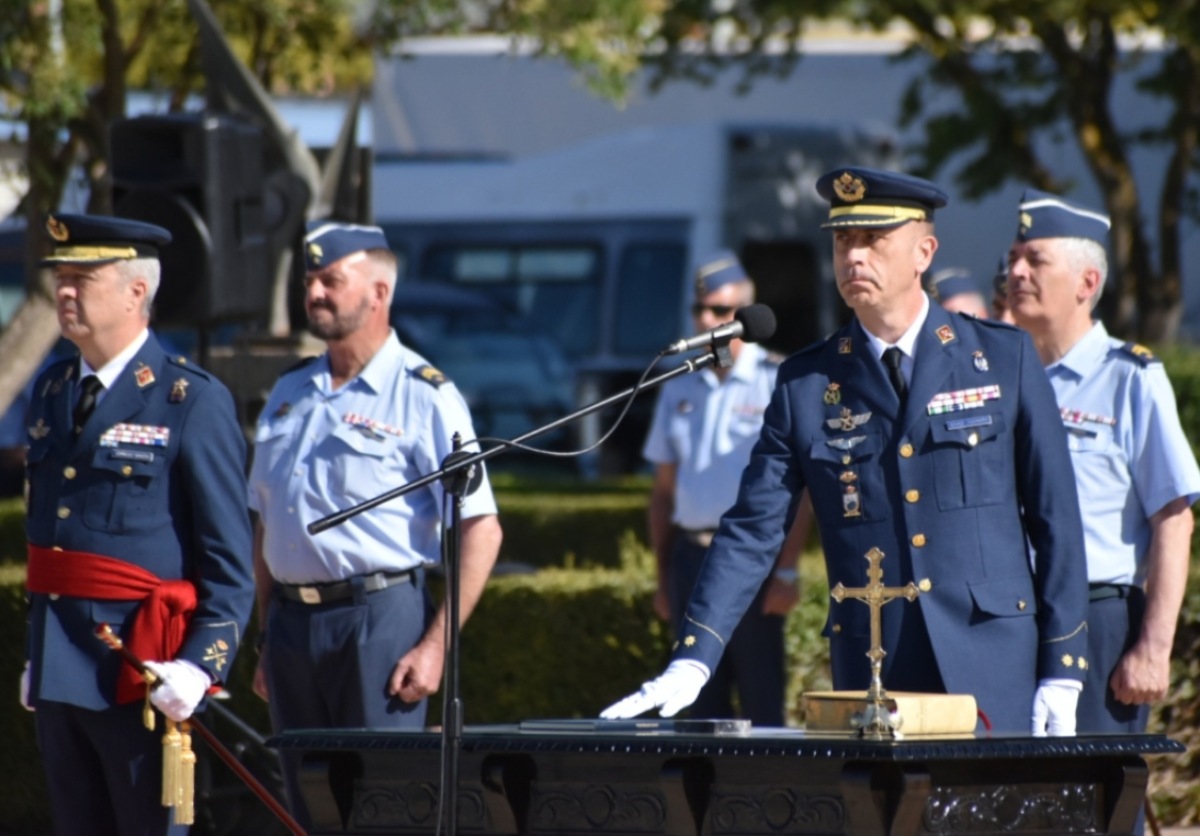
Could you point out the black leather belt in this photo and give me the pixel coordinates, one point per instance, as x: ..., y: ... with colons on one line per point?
x: 324, y: 593
x: 1104, y: 591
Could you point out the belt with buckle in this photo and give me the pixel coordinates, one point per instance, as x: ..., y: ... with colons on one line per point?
x: 1104, y: 591
x: 324, y: 593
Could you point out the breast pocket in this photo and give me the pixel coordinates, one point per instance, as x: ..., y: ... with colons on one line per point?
x: 127, y: 490
x: 972, y: 459
x: 363, y: 463
x: 1100, y: 463
x: 846, y: 479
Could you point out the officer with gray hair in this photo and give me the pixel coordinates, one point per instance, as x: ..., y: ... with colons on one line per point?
x: 1136, y: 475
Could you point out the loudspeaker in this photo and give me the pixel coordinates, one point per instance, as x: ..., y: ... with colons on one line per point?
x: 199, y: 175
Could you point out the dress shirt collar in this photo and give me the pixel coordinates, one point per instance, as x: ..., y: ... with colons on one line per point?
x: 1086, y: 354
x: 908, y: 340
x: 111, y: 370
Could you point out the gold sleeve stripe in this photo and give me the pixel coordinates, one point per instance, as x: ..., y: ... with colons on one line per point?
x: 705, y: 628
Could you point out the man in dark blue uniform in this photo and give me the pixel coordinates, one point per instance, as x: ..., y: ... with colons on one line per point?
x: 934, y: 438
x: 137, y: 519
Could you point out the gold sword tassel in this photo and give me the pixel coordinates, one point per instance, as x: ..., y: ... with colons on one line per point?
x: 172, y: 749
x: 185, y: 812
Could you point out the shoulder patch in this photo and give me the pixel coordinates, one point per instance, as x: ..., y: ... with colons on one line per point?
x: 299, y: 364
x: 1140, y: 353
x: 429, y: 374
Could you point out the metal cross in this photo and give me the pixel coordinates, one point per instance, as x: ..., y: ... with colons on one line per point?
x: 875, y: 595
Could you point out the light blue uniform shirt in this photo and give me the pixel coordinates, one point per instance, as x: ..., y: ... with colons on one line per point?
x: 318, y: 451
x: 1130, y: 455
x: 707, y: 429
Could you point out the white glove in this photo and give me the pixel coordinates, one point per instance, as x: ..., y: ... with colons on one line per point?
x: 1054, y: 707
x: 25, y: 689
x: 181, y: 686
x: 674, y: 690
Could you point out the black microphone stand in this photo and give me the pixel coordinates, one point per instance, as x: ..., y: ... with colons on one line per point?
x: 460, y: 476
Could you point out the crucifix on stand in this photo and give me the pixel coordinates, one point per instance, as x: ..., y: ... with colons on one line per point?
x: 876, y: 722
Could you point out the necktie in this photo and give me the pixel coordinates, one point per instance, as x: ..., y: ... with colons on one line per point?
x: 891, y: 359
x: 90, y: 388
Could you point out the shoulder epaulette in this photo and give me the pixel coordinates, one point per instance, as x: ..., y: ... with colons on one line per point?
x: 299, y: 364
x: 994, y: 323
x: 1140, y: 353
x: 429, y: 374
x: 182, y: 362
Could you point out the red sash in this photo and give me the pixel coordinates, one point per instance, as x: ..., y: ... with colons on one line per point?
x: 158, y: 627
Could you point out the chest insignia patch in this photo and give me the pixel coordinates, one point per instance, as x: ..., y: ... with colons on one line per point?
x: 846, y: 443
x: 39, y: 430
x: 135, y: 434
x: 178, y: 391
x: 1078, y: 416
x: 370, y: 427
x: 981, y: 363
x: 962, y: 399
x: 847, y: 420
x: 833, y: 394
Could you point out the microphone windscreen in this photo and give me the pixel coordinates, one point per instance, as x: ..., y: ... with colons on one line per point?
x: 758, y: 323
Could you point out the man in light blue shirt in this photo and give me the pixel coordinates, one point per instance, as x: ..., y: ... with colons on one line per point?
x: 351, y: 637
x: 699, y: 442
x: 1136, y: 475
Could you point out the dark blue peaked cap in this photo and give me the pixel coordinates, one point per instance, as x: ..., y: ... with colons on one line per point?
x: 99, y: 239
x: 1045, y: 215
x: 872, y: 197
x: 716, y: 271
x: 330, y: 241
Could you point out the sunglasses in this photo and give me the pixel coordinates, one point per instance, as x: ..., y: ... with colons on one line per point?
x: 717, y: 310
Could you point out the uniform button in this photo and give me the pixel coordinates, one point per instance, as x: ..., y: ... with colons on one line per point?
x: 1021, y: 605
x: 918, y: 540
x: 63, y: 513
x: 837, y: 628
x: 69, y: 472
x: 912, y: 495
x: 906, y: 450
x: 924, y: 584
x: 56, y: 548
x: 973, y: 439
x: 127, y: 470
x: 53, y: 596
x: 846, y: 460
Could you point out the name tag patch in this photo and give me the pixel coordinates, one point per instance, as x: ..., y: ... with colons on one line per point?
x: 132, y: 455
x: 962, y: 399
x: 135, y: 434
x: 965, y: 423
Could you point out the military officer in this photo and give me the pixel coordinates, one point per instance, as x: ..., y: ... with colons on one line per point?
x: 1134, y: 468
x: 136, y: 519
x: 700, y: 438
x: 933, y: 438
x: 351, y: 638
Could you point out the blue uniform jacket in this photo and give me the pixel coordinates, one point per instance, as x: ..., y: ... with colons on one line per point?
x: 939, y: 490
x: 177, y: 510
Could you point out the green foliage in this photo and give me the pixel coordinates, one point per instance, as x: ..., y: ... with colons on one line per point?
x: 569, y: 530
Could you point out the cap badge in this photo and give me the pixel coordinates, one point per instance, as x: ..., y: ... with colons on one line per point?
x: 1026, y: 221
x: 849, y: 188
x: 833, y: 394
x: 57, y: 229
x: 178, y: 391
x: 315, y: 252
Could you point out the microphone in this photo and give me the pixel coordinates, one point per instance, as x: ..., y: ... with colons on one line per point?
x: 751, y: 324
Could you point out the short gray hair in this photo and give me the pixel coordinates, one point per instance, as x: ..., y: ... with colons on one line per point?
x: 1084, y: 253
x: 147, y: 269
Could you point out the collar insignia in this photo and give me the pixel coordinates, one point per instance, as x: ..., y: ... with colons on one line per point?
x: 844, y: 345
x: 144, y: 376
x: 945, y: 334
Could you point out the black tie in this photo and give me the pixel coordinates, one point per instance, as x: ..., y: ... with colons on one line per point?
x: 891, y: 359
x: 90, y: 388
